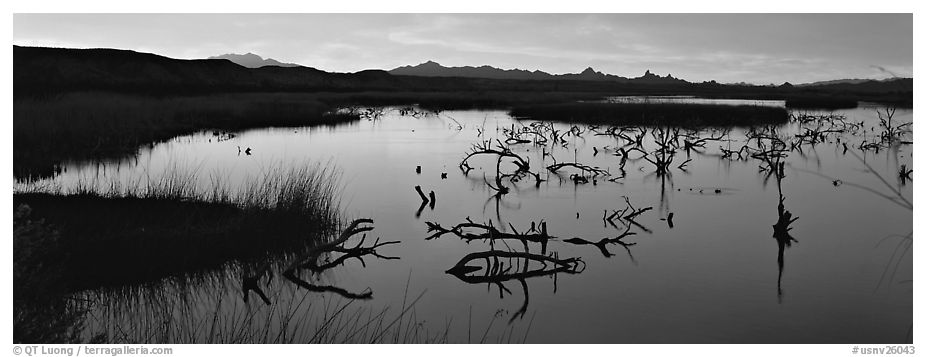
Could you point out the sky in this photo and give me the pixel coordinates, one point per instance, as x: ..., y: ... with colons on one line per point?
x: 728, y: 48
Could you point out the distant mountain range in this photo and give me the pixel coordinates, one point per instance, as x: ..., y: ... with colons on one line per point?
x: 845, y: 81
x: 45, y: 71
x: 434, y: 69
x: 251, y: 60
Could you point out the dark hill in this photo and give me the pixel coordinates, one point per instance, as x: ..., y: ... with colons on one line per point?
x: 39, y: 70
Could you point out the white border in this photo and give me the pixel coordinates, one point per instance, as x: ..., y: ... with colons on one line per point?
x: 474, y: 6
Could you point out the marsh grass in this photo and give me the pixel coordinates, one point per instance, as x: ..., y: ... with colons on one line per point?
x: 211, y: 311
x: 169, y: 225
x: 821, y: 102
x: 675, y: 114
x: 82, y: 125
x: 161, y: 230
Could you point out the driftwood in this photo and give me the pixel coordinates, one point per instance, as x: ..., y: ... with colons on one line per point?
x: 357, y: 252
x: 486, y: 148
x: 537, y: 233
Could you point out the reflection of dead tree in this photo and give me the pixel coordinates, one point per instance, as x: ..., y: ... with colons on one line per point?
x: 729, y: 154
x: 499, y: 188
x: 502, y: 266
x: 667, y: 142
x: 894, y: 196
x: 366, y: 294
x: 595, y: 171
x: 602, y: 244
x: 628, y: 214
x: 309, y: 260
x: 251, y: 282
x: 429, y: 200
x: 514, y: 136
x: 782, y: 234
x: 701, y: 142
x: 905, y: 174
x: 498, y: 271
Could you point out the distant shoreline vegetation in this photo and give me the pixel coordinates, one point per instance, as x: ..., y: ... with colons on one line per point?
x: 673, y: 114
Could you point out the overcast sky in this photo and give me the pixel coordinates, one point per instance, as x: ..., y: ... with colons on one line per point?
x: 755, y: 48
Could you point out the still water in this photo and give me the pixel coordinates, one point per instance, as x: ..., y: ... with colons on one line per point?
x: 712, y: 276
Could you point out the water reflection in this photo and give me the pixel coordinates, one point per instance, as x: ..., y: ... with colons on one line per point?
x: 527, y: 191
x: 503, y: 266
x: 310, y: 261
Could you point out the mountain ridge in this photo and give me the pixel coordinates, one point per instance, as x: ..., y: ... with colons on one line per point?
x: 433, y: 69
x: 251, y: 60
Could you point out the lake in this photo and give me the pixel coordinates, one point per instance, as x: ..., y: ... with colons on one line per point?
x: 709, y: 274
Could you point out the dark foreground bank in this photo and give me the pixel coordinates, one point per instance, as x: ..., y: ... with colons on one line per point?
x: 65, y: 242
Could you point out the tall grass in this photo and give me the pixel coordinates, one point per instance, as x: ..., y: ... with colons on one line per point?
x: 142, y: 231
x: 96, y: 235
x: 96, y: 124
